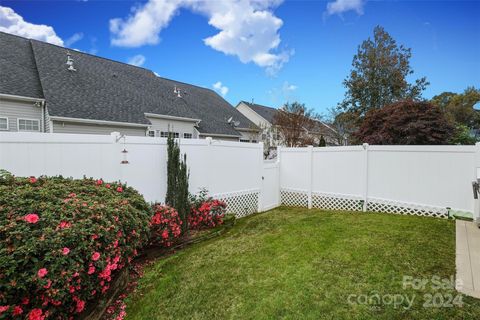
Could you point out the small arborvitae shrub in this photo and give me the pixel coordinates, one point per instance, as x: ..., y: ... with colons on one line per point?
x: 62, y: 241
x: 165, y: 225
x: 205, y: 212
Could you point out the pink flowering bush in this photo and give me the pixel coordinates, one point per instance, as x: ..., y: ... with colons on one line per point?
x: 62, y: 241
x: 206, y: 212
x: 165, y: 225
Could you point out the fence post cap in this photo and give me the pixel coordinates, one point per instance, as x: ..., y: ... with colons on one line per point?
x: 365, y: 145
x: 209, y: 140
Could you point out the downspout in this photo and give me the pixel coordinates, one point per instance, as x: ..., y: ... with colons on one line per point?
x: 43, y: 115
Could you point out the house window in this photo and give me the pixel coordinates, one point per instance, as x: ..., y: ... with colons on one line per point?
x: 151, y: 133
x: 28, y: 125
x: 244, y: 140
x: 187, y: 135
x: 3, y: 123
x: 164, y: 134
x: 254, y: 141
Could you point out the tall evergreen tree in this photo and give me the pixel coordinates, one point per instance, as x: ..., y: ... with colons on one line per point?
x: 379, y: 75
x: 177, y: 181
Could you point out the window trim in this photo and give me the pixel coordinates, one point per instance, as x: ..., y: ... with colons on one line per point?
x: 8, y: 126
x: 148, y: 133
x: 164, y: 134
x: 187, y: 133
x: 28, y: 119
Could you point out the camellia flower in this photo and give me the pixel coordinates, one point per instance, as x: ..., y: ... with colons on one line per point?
x: 107, y: 185
x: 32, y: 179
x: 42, y: 272
x: 95, y: 256
x: 36, y: 314
x: 64, y: 224
x: 17, y: 311
x: 119, y: 189
x: 31, y: 218
x: 99, y: 182
x: 3, y: 309
x: 65, y: 251
x: 91, y: 270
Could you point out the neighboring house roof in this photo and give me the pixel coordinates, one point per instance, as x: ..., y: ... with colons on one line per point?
x: 18, y: 72
x: 265, y: 112
x: 268, y: 113
x: 103, y: 89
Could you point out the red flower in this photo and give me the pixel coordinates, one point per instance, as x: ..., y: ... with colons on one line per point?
x: 36, y: 314
x: 99, y: 182
x: 3, y: 309
x: 42, y: 272
x: 64, y: 225
x: 95, y: 256
x: 120, y: 189
x: 32, y: 179
x: 31, y: 218
x: 80, y: 306
x: 165, y: 234
x: 65, y: 251
x: 25, y: 300
x: 17, y: 311
x: 91, y: 270
x: 107, y: 185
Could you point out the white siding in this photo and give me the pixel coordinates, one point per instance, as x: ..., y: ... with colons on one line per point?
x: 14, y: 110
x: 172, y: 125
x: 89, y: 128
x: 253, y: 116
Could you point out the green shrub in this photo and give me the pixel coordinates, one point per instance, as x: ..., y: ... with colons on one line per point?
x: 62, y: 240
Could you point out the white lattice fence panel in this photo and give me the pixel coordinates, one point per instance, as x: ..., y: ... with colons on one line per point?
x: 294, y: 198
x: 388, y: 206
x: 242, y: 203
x: 336, y: 201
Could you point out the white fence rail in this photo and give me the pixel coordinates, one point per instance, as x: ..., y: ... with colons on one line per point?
x: 420, y: 180
x: 228, y: 170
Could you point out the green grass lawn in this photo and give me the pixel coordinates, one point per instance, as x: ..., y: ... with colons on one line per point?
x: 296, y: 263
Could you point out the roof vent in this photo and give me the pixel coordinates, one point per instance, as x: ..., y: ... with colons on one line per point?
x: 177, y: 91
x: 233, y: 123
x: 70, y: 62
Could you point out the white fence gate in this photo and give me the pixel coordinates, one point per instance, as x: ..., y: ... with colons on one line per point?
x: 270, y: 185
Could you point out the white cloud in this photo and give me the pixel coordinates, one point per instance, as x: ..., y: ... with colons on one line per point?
x: 73, y: 39
x: 137, y: 60
x: 341, y: 6
x: 223, y: 90
x: 287, y: 87
x: 247, y: 29
x: 11, y: 22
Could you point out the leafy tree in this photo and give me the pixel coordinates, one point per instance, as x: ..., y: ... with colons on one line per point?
x: 463, y: 136
x: 294, y: 122
x: 177, y: 181
x: 379, y: 75
x: 459, y: 107
x: 406, y: 122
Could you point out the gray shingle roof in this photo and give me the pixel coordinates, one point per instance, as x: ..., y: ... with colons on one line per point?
x: 266, y: 112
x: 18, y: 74
x: 103, y: 89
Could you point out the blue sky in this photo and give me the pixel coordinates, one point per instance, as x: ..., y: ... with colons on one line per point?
x: 270, y: 51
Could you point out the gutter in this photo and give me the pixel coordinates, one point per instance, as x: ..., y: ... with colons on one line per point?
x: 105, y: 122
x: 21, y: 98
x: 219, y: 135
x: 162, y: 116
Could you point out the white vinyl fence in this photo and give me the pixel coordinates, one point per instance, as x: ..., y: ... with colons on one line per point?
x: 419, y: 180
x: 228, y: 170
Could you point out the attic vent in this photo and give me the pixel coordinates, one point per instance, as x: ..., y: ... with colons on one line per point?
x: 70, y: 62
x: 233, y: 123
x: 177, y: 91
